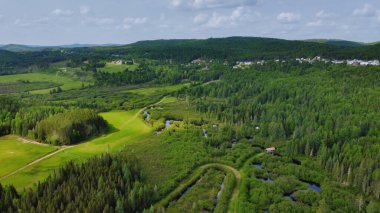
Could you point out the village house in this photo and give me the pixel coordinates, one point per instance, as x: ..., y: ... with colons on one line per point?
x: 270, y: 150
x: 118, y: 62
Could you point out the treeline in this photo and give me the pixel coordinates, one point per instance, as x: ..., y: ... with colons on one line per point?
x: 17, y: 118
x: 11, y: 62
x: 244, y: 48
x: 49, y: 124
x: 183, y: 51
x: 324, y: 111
x: 102, y: 184
x: 141, y: 75
x: 160, y: 73
x: 70, y: 127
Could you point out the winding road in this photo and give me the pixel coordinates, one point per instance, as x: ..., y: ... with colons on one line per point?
x: 184, y: 184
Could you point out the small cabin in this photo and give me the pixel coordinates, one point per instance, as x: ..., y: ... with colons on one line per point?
x: 270, y: 150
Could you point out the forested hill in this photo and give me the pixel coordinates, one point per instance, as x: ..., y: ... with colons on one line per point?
x: 182, y: 50
x: 240, y: 48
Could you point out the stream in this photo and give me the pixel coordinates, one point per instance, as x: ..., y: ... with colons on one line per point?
x: 220, y: 191
x: 204, y: 133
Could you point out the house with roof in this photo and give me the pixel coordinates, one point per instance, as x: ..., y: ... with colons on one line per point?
x: 271, y: 150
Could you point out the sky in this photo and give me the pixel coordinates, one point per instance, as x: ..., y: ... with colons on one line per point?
x: 57, y: 22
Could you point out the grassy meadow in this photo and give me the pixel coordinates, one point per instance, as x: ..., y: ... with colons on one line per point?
x: 65, y: 82
x: 16, y: 154
x: 114, y: 68
x: 130, y: 128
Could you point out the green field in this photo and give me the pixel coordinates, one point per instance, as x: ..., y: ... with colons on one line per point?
x: 15, y: 154
x: 153, y: 90
x: 130, y: 129
x: 67, y: 83
x: 113, y: 68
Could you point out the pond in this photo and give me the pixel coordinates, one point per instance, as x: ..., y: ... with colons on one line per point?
x: 204, y: 133
x: 267, y: 180
x: 314, y: 187
x: 258, y: 165
x: 146, y: 113
x: 167, y: 124
x: 290, y: 196
x: 296, y: 162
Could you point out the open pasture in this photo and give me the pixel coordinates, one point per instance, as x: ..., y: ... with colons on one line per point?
x: 113, y: 68
x: 129, y: 128
x: 15, y: 154
x: 65, y: 82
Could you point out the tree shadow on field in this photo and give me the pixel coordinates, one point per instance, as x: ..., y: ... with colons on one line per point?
x: 111, y: 129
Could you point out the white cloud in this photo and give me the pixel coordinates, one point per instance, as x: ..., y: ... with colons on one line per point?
x: 32, y: 22
x: 322, y: 14
x: 208, y: 4
x: 97, y: 21
x: 60, y: 12
x: 288, y: 17
x: 366, y: 10
x: 200, y: 19
x: 175, y: 3
x: 218, y: 20
x: 130, y: 22
x: 377, y: 16
x: 84, y: 10
x: 316, y: 23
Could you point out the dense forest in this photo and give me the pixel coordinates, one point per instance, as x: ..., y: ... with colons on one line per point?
x: 102, y: 184
x: 327, y: 112
x: 50, y: 124
x: 70, y: 127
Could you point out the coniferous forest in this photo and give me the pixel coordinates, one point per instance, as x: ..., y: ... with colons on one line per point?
x: 183, y: 126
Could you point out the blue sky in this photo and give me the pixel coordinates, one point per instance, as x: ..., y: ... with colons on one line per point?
x: 53, y: 22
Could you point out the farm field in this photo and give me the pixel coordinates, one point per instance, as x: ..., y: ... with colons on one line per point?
x: 15, y: 154
x: 113, y: 68
x: 130, y: 128
x: 161, y: 89
x: 65, y: 82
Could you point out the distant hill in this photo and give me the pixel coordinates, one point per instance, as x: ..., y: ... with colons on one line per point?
x: 231, y: 49
x: 28, y: 48
x: 19, y: 48
x: 339, y: 43
x: 245, y: 48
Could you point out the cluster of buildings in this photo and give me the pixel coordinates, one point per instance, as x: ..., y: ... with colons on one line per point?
x: 355, y: 62
x: 242, y: 64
